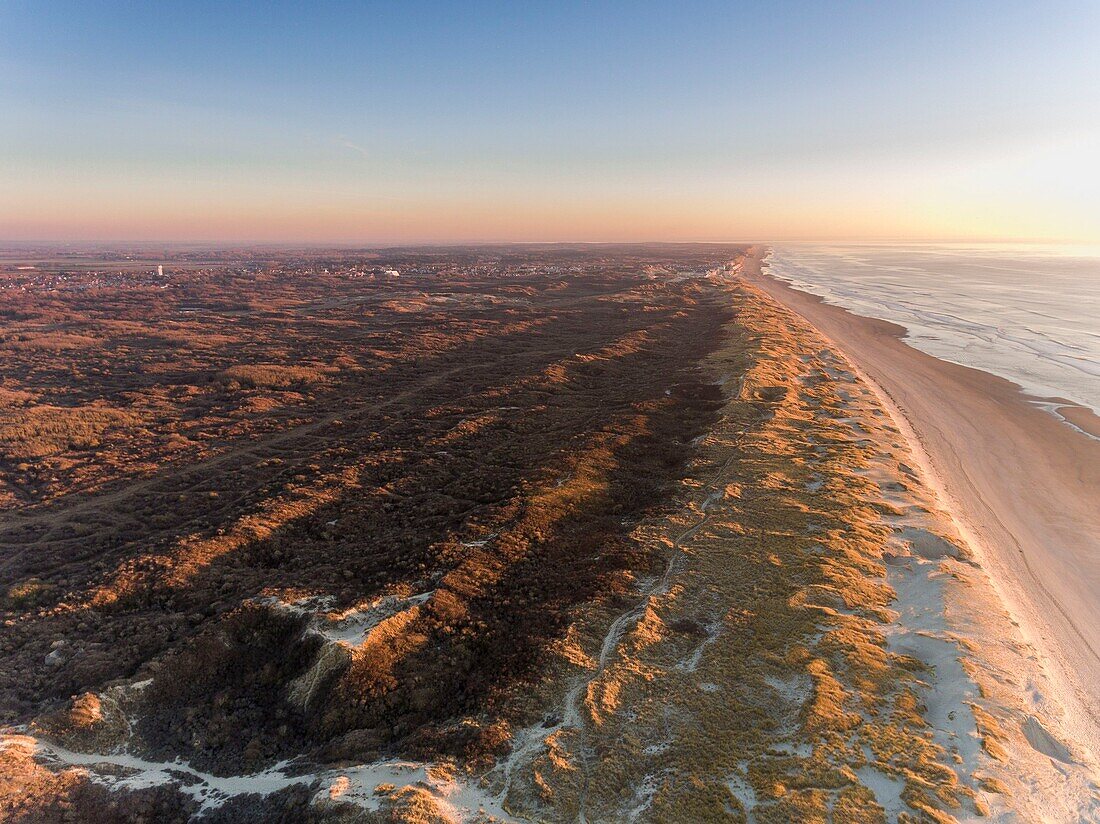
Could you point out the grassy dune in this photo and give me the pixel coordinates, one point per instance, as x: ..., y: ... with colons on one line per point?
x: 754, y: 679
x: 617, y: 636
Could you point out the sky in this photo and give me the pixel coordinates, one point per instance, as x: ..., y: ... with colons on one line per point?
x: 413, y: 121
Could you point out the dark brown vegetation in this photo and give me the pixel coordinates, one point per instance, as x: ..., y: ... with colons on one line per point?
x: 482, y: 430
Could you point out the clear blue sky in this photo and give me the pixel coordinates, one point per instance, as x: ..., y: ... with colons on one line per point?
x: 479, y: 121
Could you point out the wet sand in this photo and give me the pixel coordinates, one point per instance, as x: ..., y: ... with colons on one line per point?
x: 1023, y: 486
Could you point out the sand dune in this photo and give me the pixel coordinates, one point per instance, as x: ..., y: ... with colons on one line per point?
x: 1023, y: 484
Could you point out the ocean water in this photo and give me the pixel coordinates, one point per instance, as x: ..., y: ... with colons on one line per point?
x: 1027, y: 313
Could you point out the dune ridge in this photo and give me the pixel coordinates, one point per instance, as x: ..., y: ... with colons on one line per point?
x: 1020, y: 486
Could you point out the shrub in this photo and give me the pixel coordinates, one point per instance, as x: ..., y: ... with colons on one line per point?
x: 272, y: 376
x: 26, y: 594
x: 47, y: 430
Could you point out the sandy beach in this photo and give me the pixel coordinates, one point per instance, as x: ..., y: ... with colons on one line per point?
x: 1022, y: 485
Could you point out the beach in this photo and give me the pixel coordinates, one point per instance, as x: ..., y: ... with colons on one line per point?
x: 1021, y: 484
x: 1024, y: 312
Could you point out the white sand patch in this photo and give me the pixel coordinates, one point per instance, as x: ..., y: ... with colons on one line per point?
x: 645, y: 792
x: 691, y: 663
x: 350, y: 627
x: 742, y: 790
x: 1038, y: 736
x: 137, y: 773
x: 887, y: 790
x: 793, y: 693
x: 928, y: 545
x: 356, y: 785
x: 310, y: 605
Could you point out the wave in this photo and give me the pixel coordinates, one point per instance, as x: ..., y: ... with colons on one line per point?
x: 1026, y: 314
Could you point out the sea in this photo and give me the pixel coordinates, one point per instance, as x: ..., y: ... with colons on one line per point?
x: 1030, y: 314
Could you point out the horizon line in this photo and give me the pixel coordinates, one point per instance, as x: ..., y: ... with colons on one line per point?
x: 437, y: 243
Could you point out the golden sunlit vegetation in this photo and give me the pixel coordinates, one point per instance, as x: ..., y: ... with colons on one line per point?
x: 271, y: 376
x: 462, y: 477
x: 581, y: 546
x: 754, y: 678
x: 46, y: 430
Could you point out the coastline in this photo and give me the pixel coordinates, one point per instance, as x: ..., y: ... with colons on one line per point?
x: 814, y: 573
x: 1018, y: 482
x: 808, y: 636
x: 988, y: 312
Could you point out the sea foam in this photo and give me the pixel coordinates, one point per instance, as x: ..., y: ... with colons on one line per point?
x: 1030, y: 314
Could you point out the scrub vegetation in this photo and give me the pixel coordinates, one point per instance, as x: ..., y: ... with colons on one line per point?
x: 753, y: 682
x: 558, y: 535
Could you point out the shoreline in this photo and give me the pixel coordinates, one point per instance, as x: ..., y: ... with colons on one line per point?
x: 1077, y: 413
x: 1017, y: 480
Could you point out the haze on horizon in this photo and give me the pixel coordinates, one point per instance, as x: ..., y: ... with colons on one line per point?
x: 438, y: 122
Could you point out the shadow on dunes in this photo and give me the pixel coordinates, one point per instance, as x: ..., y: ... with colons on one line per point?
x: 499, y: 481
